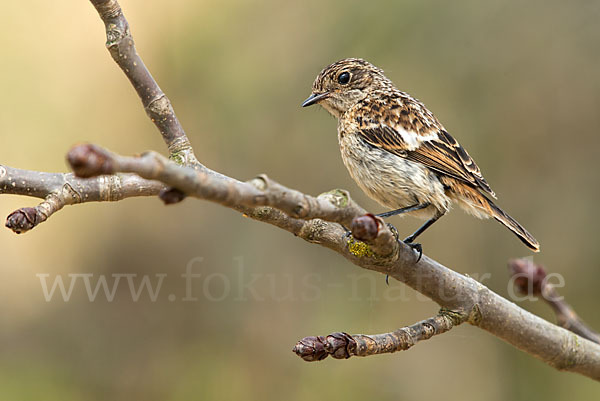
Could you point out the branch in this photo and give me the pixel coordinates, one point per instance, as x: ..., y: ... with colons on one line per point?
x: 119, y: 42
x: 60, y: 189
x: 321, y: 220
x: 532, y: 279
x: 315, y: 221
x: 335, y: 206
x: 343, y: 345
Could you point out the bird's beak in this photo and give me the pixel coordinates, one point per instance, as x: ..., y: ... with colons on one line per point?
x: 315, y: 98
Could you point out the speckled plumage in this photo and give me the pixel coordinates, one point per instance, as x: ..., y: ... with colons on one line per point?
x: 398, y: 152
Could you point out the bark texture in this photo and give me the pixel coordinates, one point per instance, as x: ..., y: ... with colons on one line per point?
x: 325, y: 220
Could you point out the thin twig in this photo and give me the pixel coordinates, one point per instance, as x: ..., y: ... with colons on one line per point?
x: 343, y: 345
x: 531, y: 279
x: 60, y: 189
x: 119, y: 42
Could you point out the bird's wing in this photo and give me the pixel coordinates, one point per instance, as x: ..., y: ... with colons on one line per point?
x: 412, y: 132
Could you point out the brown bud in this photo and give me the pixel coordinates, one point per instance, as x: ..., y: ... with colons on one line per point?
x: 311, y: 349
x: 22, y: 220
x: 171, y: 195
x: 365, y: 228
x: 528, y: 277
x: 340, y: 345
x: 89, y: 160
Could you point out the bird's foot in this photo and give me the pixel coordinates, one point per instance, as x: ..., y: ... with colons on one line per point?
x: 347, y: 234
x: 396, y: 235
x: 394, y: 231
x: 416, y: 247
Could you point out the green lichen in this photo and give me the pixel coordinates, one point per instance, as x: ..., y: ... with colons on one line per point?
x: 359, y: 248
x: 337, y: 197
x: 178, y: 157
x: 261, y: 213
x: 312, y: 230
x: 456, y: 317
x: 475, y: 316
x: 571, y: 348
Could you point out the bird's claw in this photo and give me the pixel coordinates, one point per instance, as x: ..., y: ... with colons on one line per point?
x: 416, y: 247
x: 394, y: 231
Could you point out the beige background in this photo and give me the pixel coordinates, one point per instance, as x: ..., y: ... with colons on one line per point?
x: 516, y: 82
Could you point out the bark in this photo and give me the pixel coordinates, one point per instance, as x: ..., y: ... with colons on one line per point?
x: 325, y: 220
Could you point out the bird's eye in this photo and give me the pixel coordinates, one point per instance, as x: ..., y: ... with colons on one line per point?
x: 344, y: 78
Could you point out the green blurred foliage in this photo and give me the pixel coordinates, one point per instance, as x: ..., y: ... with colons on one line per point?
x: 516, y: 82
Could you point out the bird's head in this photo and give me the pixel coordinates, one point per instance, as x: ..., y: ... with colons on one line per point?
x: 344, y: 83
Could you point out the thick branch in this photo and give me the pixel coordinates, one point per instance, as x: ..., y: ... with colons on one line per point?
x: 335, y: 206
x: 317, y: 220
x: 552, y: 344
x: 343, y: 345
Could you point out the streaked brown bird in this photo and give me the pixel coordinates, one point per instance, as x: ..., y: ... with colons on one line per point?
x: 399, y: 153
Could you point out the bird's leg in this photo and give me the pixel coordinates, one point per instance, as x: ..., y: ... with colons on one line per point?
x: 412, y: 208
x: 404, y: 210
x: 424, y: 227
x: 409, y: 240
x: 417, y: 247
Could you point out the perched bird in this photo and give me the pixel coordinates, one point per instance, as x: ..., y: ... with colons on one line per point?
x: 399, y: 154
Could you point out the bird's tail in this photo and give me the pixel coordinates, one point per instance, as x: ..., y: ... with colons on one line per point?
x: 514, y: 226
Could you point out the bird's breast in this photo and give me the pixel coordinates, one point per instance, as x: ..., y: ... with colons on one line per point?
x: 390, y: 180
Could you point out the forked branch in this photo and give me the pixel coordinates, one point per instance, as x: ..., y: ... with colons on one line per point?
x: 324, y: 220
x: 61, y: 189
x: 119, y: 42
x: 315, y: 221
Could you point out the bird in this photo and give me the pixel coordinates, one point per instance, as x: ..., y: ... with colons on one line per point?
x: 398, y: 152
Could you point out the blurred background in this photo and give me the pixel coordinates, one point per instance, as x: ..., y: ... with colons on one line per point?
x: 516, y: 82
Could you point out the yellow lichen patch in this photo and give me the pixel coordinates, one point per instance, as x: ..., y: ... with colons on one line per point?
x: 359, y: 248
